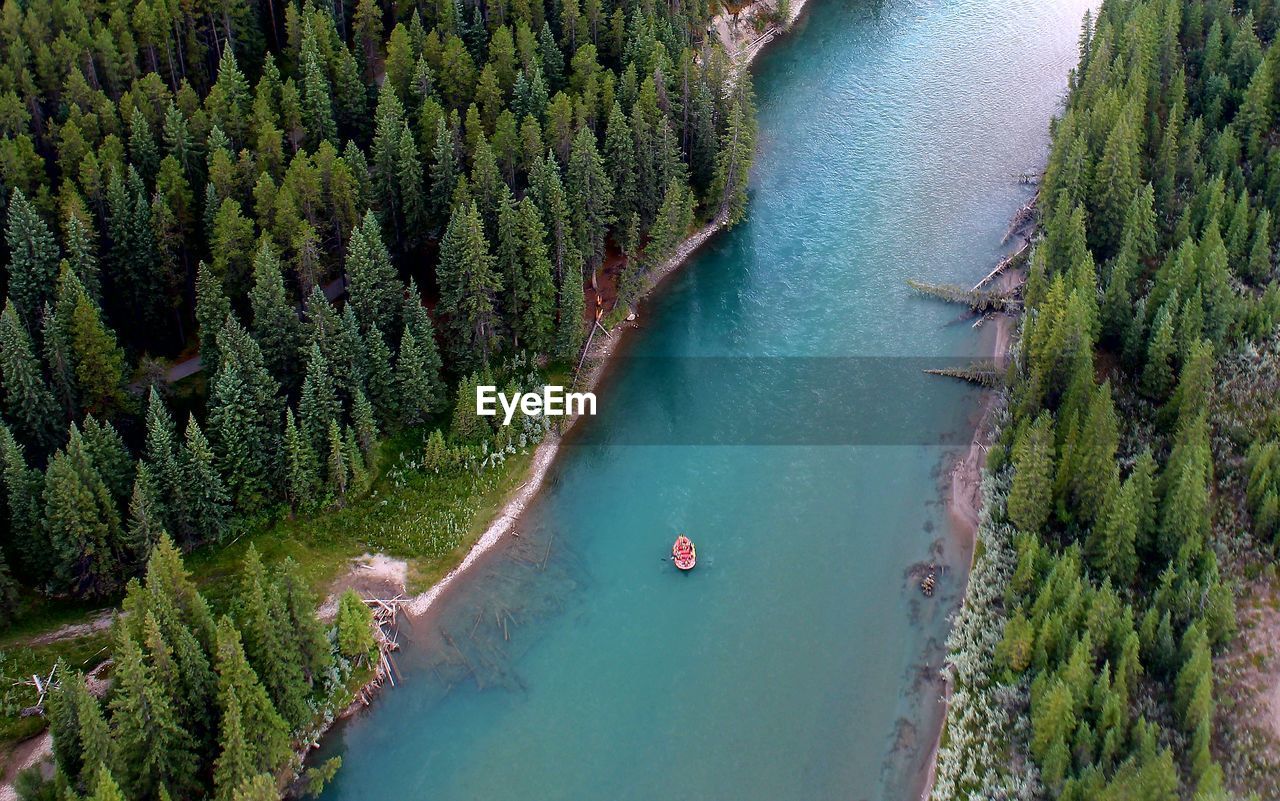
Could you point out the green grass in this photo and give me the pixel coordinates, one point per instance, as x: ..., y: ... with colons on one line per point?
x: 19, y: 662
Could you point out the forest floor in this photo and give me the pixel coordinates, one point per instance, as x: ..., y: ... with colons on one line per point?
x: 1248, y: 736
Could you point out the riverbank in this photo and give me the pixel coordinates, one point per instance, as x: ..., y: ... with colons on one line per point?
x: 598, y: 358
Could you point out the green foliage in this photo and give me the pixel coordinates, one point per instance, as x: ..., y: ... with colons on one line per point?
x: 355, y: 628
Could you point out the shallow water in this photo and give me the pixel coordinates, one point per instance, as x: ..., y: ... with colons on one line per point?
x: 772, y: 408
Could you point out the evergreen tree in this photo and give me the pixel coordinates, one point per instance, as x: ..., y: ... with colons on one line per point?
x: 590, y: 195
x: 27, y: 399
x: 264, y: 623
x: 1031, y: 493
x: 99, y: 361
x: 569, y: 329
x: 83, y: 523
x: 146, y: 519
x: 468, y: 287
x: 29, y: 544
x: 81, y: 739
x: 275, y: 320
x: 318, y: 405
x: 206, y: 501
x: 355, y: 627
x: 212, y: 310
x: 33, y: 258
x: 265, y: 732
x: 153, y: 751
x: 301, y: 470
x: 374, y: 290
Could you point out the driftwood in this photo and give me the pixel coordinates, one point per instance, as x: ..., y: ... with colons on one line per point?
x: 1008, y: 261
x: 979, y: 300
x: 387, y: 637
x: 981, y: 373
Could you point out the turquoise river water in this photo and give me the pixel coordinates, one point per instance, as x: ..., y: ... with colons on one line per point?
x: 772, y: 407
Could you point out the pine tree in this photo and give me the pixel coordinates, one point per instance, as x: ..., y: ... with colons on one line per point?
x: 146, y: 519
x: 318, y: 406
x: 240, y: 452
x: 99, y: 361
x: 1112, y: 545
x: 1093, y: 473
x: 444, y: 172
x: 374, y: 290
x: 468, y: 288
x: 27, y: 399
x: 212, y: 310
x: 620, y: 160
x: 82, y: 257
x: 337, y: 470
x: 152, y: 750
x: 733, y: 162
x: 83, y: 523
x: 23, y: 495
x: 105, y: 787
x: 33, y: 258
x: 81, y: 739
x: 569, y: 329
x: 413, y: 200
x: 302, y: 476
x: 207, y: 506
x: 317, y: 103
x: 355, y: 627
x: 533, y: 291
x: 264, y: 730
x: 234, y: 765
x: 379, y: 379
x: 275, y: 321
x: 263, y: 622
x: 1157, y: 375
x: 590, y: 194
x: 308, y: 636
x: 362, y: 418
x: 1031, y: 494
x: 1115, y: 182
x: 161, y: 453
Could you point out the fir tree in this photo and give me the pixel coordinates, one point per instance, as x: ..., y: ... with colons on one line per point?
x: 264, y: 623
x: 27, y: 399
x: 301, y: 470
x: 212, y: 310
x: 33, y: 258
x: 153, y: 752
x: 206, y: 500
x: 275, y: 320
x: 99, y: 361
x: 265, y: 732
x: 318, y: 405
x: 468, y: 287
x: 374, y: 290
x: 1031, y: 493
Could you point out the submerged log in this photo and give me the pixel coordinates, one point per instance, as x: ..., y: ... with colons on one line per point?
x: 983, y: 374
x: 979, y: 300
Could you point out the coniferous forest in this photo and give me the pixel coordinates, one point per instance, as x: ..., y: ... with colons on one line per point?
x: 1133, y: 490
x: 318, y: 219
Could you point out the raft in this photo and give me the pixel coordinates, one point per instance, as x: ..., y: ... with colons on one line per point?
x: 683, y: 553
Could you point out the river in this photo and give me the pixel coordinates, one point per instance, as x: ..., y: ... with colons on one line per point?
x: 772, y: 407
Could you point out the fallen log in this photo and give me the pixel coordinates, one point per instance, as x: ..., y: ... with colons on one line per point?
x: 979, y: 300
x: 983, y: 374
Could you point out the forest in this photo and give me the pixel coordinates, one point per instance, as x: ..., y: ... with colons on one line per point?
x: 1129, y: 496
x: 247, y: 243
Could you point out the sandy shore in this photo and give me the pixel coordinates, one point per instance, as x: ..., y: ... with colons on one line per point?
x: 964, y: 498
